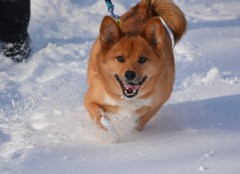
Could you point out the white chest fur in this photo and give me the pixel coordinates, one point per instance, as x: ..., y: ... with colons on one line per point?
x: 127, y: 105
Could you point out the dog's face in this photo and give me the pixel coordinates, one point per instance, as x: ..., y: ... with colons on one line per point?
x: 129, y: 62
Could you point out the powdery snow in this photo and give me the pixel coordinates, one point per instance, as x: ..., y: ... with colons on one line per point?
x: 44, y: 127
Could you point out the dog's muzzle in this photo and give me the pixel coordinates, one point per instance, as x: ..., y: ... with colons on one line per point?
x: 130, y: 89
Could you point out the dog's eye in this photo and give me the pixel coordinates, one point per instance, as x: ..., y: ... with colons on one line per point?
x: 120, y: 59
x: 142, y: 60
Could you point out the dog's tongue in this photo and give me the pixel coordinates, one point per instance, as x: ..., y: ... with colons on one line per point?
x: 130, y: 88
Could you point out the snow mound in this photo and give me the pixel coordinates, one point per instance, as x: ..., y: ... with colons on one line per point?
x: 213, y: 76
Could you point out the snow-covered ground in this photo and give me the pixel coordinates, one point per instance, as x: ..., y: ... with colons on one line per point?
x: 44, y: 128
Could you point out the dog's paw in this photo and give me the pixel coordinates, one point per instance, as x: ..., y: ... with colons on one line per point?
x: 112, y: 135
x: 100, y: 125
x: 106, y: 123
x: 139, y: 128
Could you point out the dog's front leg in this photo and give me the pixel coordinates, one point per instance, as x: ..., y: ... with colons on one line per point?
x: 146, y: 113
x: 96, y: 113
x: 143, y: 115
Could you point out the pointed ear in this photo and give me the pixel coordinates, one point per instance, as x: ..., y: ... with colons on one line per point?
x: 153, y: 32
x: 110, y: 32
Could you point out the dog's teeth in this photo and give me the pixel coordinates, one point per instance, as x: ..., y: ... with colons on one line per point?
x: 127, y: 93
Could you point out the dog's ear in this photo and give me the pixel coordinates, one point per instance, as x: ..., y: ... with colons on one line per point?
x: 153, y: 32
x: 110, y: 32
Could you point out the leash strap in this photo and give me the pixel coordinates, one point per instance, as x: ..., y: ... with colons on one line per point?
x: 110, y: 7
x: 169, y: 32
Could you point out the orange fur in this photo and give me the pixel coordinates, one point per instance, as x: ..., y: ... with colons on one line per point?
x: 134, y: 60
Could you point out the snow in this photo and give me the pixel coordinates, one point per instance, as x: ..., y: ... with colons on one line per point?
x: 44, y: 127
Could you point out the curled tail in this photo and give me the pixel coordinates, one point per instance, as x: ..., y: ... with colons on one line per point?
x: 171, y: 14
x: 137, y: 16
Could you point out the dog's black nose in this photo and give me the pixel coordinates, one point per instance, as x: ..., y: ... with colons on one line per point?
x: 130, y: 75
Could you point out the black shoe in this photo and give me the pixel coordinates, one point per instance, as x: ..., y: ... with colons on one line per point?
x: 17, y: 51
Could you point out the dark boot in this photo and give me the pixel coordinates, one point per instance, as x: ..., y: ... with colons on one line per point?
x: 14, y: 20
x: 17, y: 51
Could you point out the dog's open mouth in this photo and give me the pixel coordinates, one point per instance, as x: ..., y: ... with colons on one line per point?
x: 130, y: 89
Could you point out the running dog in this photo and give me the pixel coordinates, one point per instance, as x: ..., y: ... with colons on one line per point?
x: 131, y: 66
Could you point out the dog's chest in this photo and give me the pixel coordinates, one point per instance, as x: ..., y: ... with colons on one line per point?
x: 127, y: 105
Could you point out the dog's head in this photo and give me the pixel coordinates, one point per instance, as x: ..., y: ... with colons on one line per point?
x: 129, y: 62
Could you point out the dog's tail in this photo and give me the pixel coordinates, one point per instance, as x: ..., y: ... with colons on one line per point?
x: 171, y: 14
x: 146, y: 9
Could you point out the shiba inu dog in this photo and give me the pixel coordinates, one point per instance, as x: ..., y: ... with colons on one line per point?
x: 131, y: 66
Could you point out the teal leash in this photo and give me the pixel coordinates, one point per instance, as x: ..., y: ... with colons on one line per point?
x: 110, y: 7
